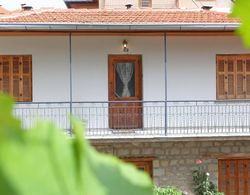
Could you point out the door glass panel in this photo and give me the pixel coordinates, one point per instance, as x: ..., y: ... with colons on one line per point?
x: 125, y: 79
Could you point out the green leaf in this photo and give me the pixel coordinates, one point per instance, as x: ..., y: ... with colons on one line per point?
x: 43, y: 160
x: 241, y: 10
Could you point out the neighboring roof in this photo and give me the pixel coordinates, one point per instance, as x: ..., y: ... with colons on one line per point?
x: 3, y: 10
x: 131, y: 17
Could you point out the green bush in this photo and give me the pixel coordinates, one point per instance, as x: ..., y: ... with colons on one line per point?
x: 167, y: 191
x: 202, y: 184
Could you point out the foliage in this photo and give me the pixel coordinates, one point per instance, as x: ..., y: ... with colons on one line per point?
x: 202, y: 184
x: 166, y: 191
x: 45, y: 161
x: 241, y: 10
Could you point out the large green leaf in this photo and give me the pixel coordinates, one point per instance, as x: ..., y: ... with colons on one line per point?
x: 43, y: 160
x: 241, y: 10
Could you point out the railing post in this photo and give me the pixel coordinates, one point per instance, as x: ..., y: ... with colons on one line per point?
x: 166, y: 82
x: 70, y: 78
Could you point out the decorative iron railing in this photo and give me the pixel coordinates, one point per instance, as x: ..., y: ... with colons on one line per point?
x: 145, y: 118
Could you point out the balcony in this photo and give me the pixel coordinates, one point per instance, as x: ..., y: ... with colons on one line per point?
x: 145, y: 119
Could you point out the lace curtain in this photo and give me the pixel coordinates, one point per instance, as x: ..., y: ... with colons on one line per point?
x: 125, y: 72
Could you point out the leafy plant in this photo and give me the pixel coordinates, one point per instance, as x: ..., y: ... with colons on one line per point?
x: 166, y: 191
x: 202, y: 184
x: 241, y: 10
x: 43, y: 161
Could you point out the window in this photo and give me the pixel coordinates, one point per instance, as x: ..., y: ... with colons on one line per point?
x: 145, y: 3
x: 16, y: 76
x: 233, y: 76
x: 79, y: 4
x: 234, y: 176
x: 143, y: 164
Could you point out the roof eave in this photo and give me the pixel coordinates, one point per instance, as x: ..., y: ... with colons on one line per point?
x: 120, y: 27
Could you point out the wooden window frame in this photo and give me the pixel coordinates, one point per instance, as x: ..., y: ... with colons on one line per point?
x: 142, y: 162
x: 132, y: 117
x: 234, y: 58
x: 21, y: 97
x: 140, y: 4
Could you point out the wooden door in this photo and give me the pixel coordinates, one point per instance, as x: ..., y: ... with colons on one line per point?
x: 125, y: 84
x: 234, y: 176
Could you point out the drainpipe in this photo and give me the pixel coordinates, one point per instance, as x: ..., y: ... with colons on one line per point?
x: 70, y: 80
x: 166, y: 83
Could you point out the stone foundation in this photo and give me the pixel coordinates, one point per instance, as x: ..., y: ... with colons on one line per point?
x: 174, y: 161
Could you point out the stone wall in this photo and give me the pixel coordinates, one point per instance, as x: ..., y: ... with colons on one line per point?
x: 175, y: 160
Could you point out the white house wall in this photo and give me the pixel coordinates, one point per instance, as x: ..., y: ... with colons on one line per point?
x: 90, y: 65
x: 190, y: 60
x: 192, y: 65
x: 50, y: 59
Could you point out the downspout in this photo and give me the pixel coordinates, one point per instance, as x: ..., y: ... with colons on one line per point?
x: 70, y: 81
x: 166, y: 83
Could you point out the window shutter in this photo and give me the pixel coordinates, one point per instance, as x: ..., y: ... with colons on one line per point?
x: 233, y: 76
x: 247, y: 77
x: 221, y: 74
x: 230, y: 78
x: 26, y: 84
x: 233, y: 176
x: 6, y: 86
x: 16, y: 77
x: 240, y: 78
x: 16, y: 74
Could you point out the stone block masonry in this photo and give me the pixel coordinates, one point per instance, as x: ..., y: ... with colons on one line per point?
x: 174, y: 161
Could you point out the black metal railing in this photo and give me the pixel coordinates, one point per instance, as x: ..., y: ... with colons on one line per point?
x: 145, y: 118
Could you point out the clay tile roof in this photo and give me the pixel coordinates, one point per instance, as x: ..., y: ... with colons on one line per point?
x: 96, y: 16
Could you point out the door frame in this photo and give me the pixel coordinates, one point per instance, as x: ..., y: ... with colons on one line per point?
x: 114, y: 107
x: 138, y: 82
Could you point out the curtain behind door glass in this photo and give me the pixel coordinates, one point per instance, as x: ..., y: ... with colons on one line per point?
x: 125, y: 79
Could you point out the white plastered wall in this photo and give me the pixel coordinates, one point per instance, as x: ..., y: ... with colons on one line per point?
x: 50, y: 59
x: 192, y: 65
x: 90, y: 65
x: 50, y: 64
x: 190, y: 60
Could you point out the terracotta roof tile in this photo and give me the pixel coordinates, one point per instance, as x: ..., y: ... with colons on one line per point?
x: 94, y: 16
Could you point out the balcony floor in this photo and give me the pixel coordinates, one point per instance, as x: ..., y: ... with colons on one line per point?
x: 169, y: 133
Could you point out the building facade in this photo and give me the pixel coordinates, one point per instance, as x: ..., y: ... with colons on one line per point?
x: 148, y: 4
x: 160, y: 89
